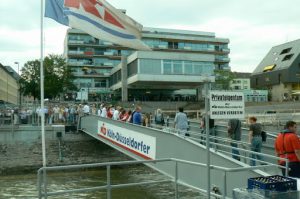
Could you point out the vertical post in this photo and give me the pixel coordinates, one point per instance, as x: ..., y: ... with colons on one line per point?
x: 108, y: 182
x: 6, y: 88
x: 39, y: 184
x: 287, y: 167
x: 42, y: 98
x: 225, y: 185
x: 124, y: 79
x: 206, y: 85
x: 176, y: 179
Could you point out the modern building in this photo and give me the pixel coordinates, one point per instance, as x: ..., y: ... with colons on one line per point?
x: 279, y: 72
x: 174, y: 69
x: 240, y: 82
x: 9, y: 86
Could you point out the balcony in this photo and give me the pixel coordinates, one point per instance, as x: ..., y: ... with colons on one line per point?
x: 226, y: 50
x: 187, y: 48
x: 73, y: 52
x: 163, y: 46
x: 89, y: 53
x: 76, y: 42
x: 222, y: 59
x: 90, y: 74
x: 109, y: 53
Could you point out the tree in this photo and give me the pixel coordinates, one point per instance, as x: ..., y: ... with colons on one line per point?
x: 58, y: 77
x: 223, y: 78
x: 29, y: 81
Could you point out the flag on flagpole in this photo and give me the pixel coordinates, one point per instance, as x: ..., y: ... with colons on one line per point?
x: 99, y: 19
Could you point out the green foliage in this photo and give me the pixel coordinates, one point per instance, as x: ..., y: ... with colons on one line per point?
x: 57, y: 77
x: 223, y: 78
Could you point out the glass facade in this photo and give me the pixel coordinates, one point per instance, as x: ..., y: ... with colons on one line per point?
x: 175, y: 67
x: 172, y: 67
x: 132, y: 68
x: 150, y: 66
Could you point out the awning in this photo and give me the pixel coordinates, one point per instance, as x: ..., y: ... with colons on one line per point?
x: 269, y: 68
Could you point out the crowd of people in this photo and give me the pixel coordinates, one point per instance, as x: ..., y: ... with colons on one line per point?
x: 69, y: 114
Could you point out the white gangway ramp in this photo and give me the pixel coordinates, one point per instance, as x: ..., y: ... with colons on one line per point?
x: 143, y: 143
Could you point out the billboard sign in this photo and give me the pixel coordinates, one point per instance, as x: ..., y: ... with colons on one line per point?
x: 227, y: 105
x: 132, y: 141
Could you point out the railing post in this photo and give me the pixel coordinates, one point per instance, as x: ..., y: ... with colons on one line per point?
x: 108, y: 182
x: 39, y: 184
x: 176, y: 179
x: 287, y: 167
x: 45, y: 182
x: 224, y: 185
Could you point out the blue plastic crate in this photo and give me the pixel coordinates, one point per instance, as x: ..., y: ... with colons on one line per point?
x: 273, y: 183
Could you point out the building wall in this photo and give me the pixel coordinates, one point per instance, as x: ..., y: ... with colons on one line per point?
x: 9, y: 88
x: 240, y: 84
x: 281, y: 92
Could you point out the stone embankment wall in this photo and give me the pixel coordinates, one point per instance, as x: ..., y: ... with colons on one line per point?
x: 21, y: 150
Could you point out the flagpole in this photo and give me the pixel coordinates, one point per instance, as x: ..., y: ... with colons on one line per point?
x: 42, y: 110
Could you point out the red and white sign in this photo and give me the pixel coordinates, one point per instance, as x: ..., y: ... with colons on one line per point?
x: 134, y: 142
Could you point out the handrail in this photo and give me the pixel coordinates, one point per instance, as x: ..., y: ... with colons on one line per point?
x: 108, y: 187
x: 225, y: 170
x: 216, y: 138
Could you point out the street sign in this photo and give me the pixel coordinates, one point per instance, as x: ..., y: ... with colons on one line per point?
x: 227, y: 105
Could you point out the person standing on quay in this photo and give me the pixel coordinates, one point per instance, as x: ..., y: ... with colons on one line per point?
x: 181, y: 122
x: 211, y: 126
x: 86, y: 109
x: 234, y: 132
x: 137, y: 116
x: 159, y: 118
x: 287, y: 145
x: 255, y: 139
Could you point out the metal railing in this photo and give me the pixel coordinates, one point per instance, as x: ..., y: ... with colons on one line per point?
x: 42, y: 177
x: 42, y: 173
x: 215, y: 143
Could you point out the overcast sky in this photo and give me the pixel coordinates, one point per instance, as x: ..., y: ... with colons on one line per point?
x: 252, y: 26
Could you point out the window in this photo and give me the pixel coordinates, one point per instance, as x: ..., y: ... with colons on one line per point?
x: 173, y: 45
x: 177, y: 67
x: 167, y: 67
x: 287, y: 50
x: 188, y: 67
x: 197, y: 68
x: 150, y: 66
x: 287, y: 57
